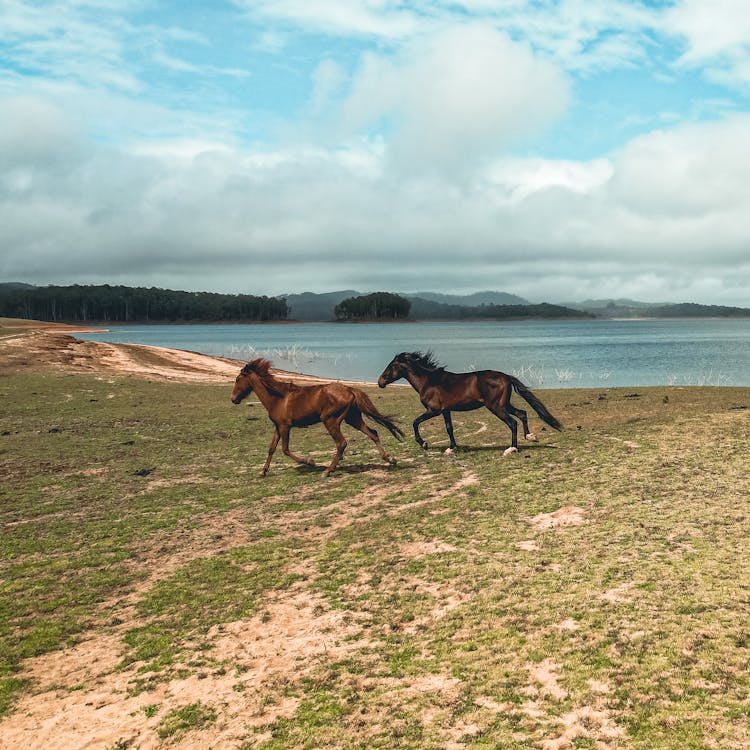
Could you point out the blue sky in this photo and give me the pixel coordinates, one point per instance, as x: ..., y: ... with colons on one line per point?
x: 558, y: 150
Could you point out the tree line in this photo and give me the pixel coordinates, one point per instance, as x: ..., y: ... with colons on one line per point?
x: 423, y: 309
x: 122, y: 304
x: 376, y: 306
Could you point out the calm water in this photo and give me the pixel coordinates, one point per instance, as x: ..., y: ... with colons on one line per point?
x: 543, y: 354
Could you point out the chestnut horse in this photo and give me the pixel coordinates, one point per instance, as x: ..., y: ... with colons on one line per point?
x: 442, y: 392
x: 289, y: 405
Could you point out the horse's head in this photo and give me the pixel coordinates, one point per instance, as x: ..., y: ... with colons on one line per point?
x: 397, y: 368
x: 243, y: 385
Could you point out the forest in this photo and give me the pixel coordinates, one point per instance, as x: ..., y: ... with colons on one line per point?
x: 376, y: 306
x: 424, y: 309
x: 123, y: 304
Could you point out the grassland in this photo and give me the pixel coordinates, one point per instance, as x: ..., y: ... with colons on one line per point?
x: 591, y: 591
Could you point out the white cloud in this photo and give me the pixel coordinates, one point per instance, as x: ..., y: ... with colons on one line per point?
x: 517, y: 179
x: 328, y: 79
x: 717, y: 37
x: 35, y: 132
x: 689, y: 172
x: 379, y: 18
x: 452, y: 99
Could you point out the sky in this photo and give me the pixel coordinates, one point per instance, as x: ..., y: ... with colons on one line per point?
x: 556, y: 149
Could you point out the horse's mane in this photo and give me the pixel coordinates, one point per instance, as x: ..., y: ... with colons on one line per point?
x: 424, y: 359
x: 262, y: 367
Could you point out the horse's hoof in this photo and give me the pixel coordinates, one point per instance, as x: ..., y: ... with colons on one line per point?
x: 423, y: 446
x: 508, y: 451
x: 391, y: 460
x: 531, y: 437
x: 326, y: 474
x: 449, y: 451
x: 262, y: 473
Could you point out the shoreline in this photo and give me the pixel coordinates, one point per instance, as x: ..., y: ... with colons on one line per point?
x: 27, y: 344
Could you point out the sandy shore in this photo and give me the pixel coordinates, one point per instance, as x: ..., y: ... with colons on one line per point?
x: 29, y: 343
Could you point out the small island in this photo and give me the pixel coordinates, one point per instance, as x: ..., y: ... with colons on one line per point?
x: 378, y: 306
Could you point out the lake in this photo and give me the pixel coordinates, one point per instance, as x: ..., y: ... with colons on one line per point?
x: 544, y: 354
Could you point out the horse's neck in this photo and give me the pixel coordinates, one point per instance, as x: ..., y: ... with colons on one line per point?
x: 268, y: 393
x: 418, y: 378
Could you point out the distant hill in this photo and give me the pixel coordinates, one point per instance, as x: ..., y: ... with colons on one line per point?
x: 423, y: 309
x: 603, y: 304
x: 4, y: 285
x: 628, y: 308
x: 471, y: 300
x: 542, y: 310
x: 615, y: 308
x: 312, y: 306
x: 693, y: 310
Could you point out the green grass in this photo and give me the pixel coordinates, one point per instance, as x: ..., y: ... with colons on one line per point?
x: 181, y: 720
x: 641, y: 611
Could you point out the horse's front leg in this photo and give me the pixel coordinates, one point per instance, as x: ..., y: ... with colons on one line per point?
x: 285, y: 447
x: 429, y: 414
x: 271, y: 451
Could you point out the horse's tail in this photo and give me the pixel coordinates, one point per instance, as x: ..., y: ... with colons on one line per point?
x: 368, y: 408
x: 535, y: 403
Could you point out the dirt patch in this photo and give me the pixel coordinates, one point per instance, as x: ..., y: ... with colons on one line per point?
x: 617, y: 594
x: 567, y: 624
x: 543, y: 677
x: 82, y: 700
x: 424, y: 548
x: 592, y: 722
x: 570, y: 515
x: 527, y: 545
x: 587, y: 722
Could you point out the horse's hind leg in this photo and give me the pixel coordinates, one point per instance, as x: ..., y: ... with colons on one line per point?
x: 521, y: 414
x: 333, y: 425
x: 502, y: 415
x: 287, y: 452
x: 449, y: 429
x: 354, y: 418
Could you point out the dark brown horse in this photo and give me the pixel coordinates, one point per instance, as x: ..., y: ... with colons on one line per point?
x: 289, y: 405
x: 442, y: 392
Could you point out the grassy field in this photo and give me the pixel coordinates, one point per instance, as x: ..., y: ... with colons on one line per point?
x: 591, y: 591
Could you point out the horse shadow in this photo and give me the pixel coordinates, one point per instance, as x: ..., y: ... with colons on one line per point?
x: 495, y: 448
x: 353, y: 469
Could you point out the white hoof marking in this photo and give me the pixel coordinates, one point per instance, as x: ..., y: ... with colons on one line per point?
x: 531, y: 437
x: 449, y: 451
x: 510, y: 450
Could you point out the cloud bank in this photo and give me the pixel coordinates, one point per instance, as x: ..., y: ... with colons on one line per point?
x: 663, y: 218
